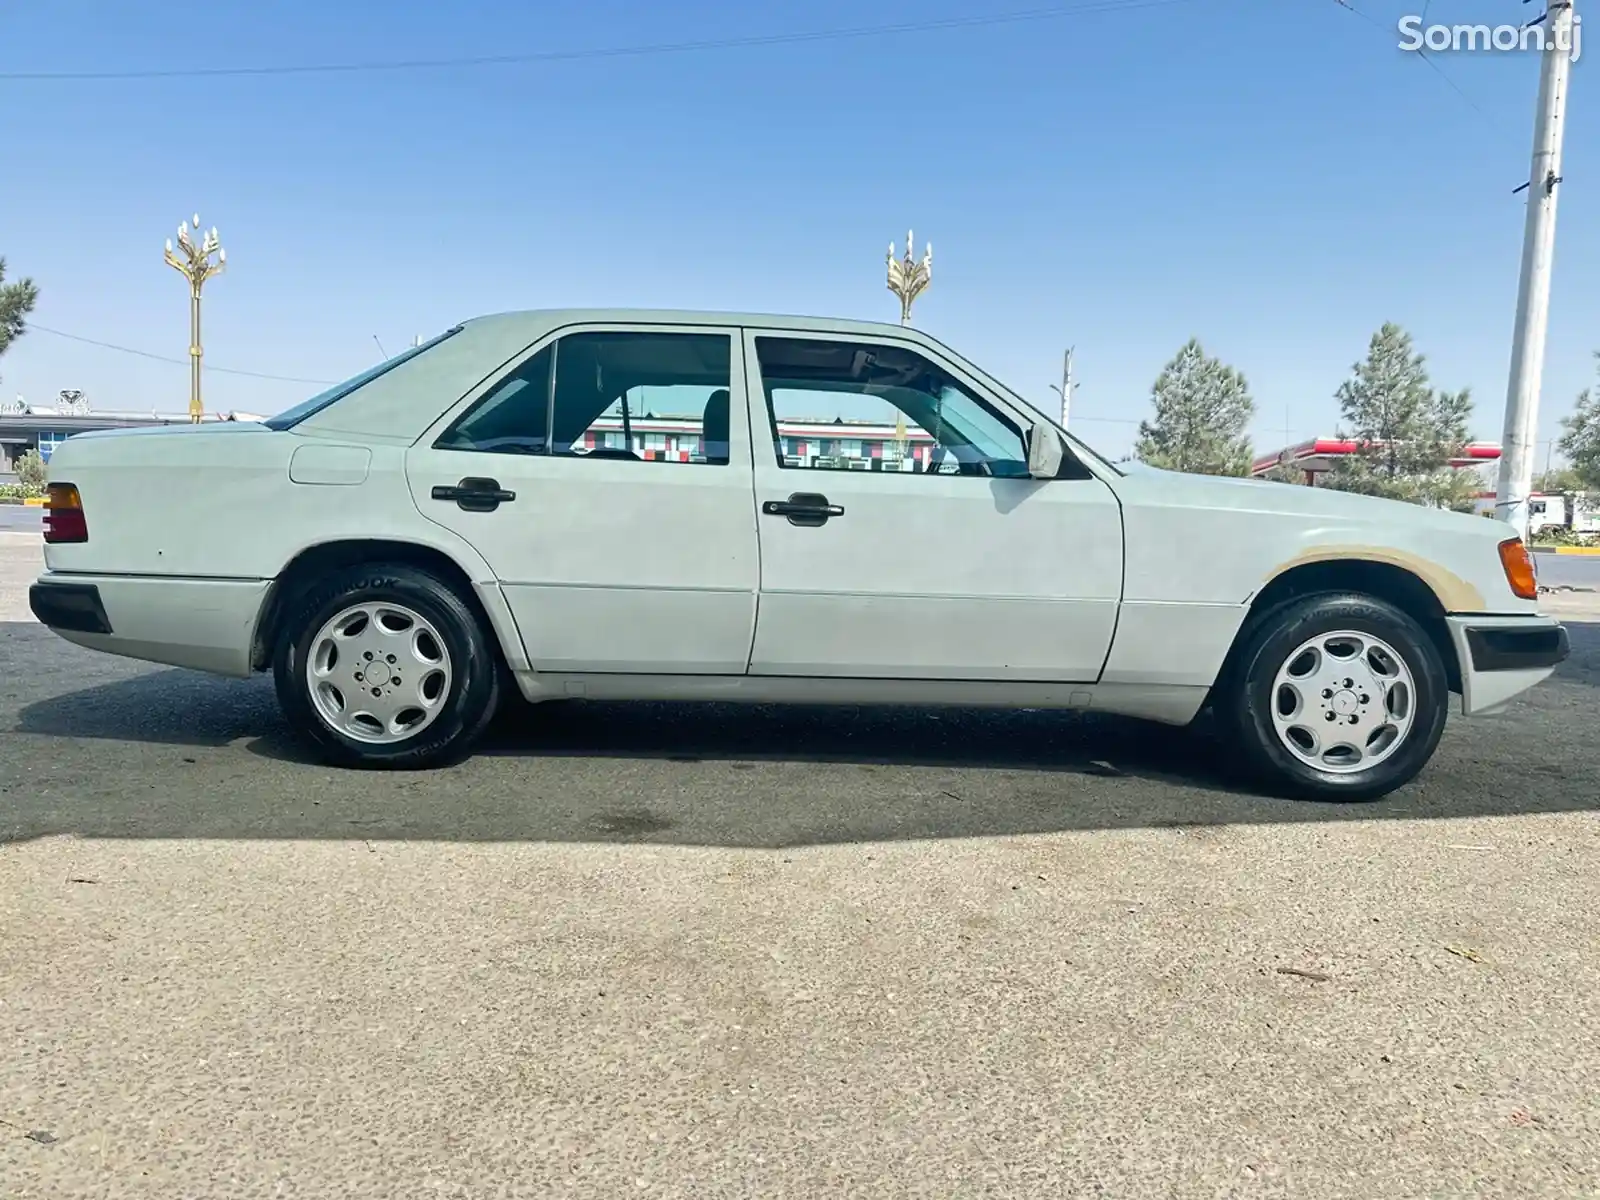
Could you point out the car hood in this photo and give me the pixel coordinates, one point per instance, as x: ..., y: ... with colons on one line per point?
x: 1233, y: 494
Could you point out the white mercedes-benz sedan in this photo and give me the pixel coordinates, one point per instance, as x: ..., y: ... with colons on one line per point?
x: 693, y: 506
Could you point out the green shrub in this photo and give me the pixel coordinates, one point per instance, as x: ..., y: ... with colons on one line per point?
x: 1562, y: 537
x: 31, y: 471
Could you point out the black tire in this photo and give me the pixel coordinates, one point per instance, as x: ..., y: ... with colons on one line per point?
x: 1244, y: 700
x: 469, y: 703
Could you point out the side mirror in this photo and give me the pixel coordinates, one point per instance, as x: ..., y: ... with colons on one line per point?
x: 1046, y: 449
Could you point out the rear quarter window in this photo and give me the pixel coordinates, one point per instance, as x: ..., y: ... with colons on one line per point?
x: 290, y: 417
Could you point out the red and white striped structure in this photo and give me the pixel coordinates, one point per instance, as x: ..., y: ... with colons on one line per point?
x: 1319, y: 454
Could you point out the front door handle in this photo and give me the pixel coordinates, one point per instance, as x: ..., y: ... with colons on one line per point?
x: 804, y: 508
x: 475, y: 495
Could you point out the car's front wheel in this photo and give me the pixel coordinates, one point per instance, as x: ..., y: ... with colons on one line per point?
x: 1336, y: 697
x: 386, y: 666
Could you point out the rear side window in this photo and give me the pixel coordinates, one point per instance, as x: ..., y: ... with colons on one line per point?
x: 634, y: 396
x: 290, y: 417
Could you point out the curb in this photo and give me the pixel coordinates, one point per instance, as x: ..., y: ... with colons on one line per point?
x: 1571, y: 551
x: 33, y: 502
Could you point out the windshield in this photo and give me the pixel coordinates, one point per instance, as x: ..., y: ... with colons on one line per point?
x: 290, y: 417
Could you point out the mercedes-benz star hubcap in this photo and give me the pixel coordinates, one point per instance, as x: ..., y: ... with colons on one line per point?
x: 378, y: 672
x: 1343, y: 702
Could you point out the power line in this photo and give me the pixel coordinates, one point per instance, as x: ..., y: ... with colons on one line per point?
x: 182, y: 362
x: 1108, y: 420
x: 550, y: 56
x: 1423, y: 54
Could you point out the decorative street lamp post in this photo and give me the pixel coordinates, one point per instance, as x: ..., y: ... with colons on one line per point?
x: 196, y: 266
x: 909, y: 278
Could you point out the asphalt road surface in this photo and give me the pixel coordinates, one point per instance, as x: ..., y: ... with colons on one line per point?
x: 21, y: 517
x: 704, y: 952
x: 1569, y: 570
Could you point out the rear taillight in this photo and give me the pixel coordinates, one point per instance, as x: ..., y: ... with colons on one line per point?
x: 63, y: 515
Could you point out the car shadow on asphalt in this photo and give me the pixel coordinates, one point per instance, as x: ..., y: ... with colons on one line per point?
x: 1079, y: 743
x: 1063, y: 770
x: 166, y: 706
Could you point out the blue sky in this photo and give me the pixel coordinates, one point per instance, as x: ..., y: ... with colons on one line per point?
x: 1273, y: 176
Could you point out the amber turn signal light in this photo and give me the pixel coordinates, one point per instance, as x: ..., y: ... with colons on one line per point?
x: 63, y: 495
x: 1520, y: 573
x: 63, y: 515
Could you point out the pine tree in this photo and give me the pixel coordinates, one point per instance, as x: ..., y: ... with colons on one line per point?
x: 1580, y: 439
x: 1202, y: 411
x: 1405, y: 432
x: 16, y: 302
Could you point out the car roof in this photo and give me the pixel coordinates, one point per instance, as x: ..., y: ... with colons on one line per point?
x: 399, y: 403
x: 538, y: 320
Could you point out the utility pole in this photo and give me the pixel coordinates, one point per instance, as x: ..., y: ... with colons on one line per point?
x: 1066, y: 388
x: 1533, y: 287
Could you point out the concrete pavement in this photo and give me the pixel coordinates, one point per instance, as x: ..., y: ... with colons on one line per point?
x: 700, y: 952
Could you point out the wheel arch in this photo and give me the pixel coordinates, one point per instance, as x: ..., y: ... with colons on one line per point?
x: 1405, y: 589
x: 320, y: 558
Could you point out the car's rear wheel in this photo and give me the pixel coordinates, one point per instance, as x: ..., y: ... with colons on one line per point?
x: 1335, y: 697
x: 386, y: 666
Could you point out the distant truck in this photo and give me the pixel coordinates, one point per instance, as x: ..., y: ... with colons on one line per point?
x: 1576, y: 512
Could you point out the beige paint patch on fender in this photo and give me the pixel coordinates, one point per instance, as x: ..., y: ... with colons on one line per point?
x: 1454, y: 592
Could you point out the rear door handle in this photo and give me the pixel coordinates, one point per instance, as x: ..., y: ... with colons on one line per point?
x: 475, y: 495
x: 809, y: 509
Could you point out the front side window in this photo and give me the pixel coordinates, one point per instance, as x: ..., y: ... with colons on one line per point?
x: 642, y: 397
x: 839, y: 406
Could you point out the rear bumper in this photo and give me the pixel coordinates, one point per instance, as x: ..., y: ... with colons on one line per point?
x: 203, y: 624
x: 1502, y: 657
x: 74, y: 607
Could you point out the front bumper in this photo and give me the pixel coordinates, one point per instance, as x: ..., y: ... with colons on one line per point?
x: 1502, y: 657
